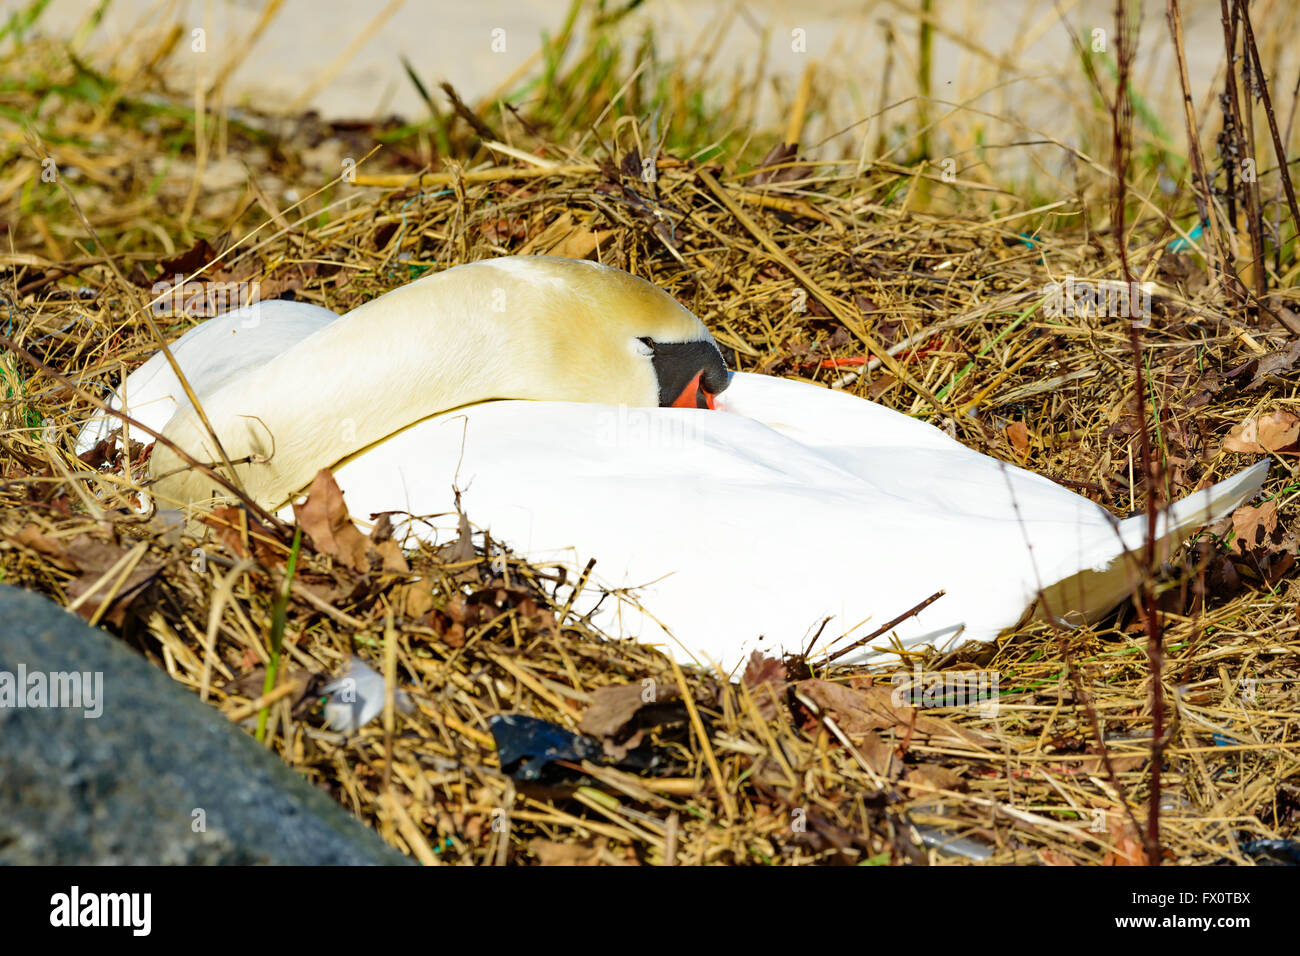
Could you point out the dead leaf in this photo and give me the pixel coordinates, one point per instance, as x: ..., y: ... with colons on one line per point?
x: 234, y: 526
x: 306, y: 687
x: 463, y: 549
x: 391, y: 557
x: 1127, y: 846
x: 1269, y: 368
x: 769, y: 671
x: 566, y: 237
x: 580, y: 243
x: 324, y: 516
x: 189, y: 261
x: 94, y: 559
x: 1270, y: 432
x: 1120, y: 763
x: 1018, y: 435
x: 383, y: 529
x: 881, y: 384
x: 1055, y: 858
x: 382, y: 543
x: 551, y: 853
x: 1254, y: 527
x: 935, y: 776
x: 503, y: 230
x: 418, y: 601
x: 32, y: 537
x: 778, y: 156
x: 872, y: 708
x: 879, y: 753
x: 614, y: 706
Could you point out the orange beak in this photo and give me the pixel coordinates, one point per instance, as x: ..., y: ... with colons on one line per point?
x: 693, y: 396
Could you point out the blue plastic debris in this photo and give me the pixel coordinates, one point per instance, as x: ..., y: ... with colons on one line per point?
x: 1182, y: 245
x: 1275, y: 852
x: 527, y: 746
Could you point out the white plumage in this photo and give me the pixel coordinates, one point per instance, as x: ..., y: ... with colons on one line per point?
x: 744, y: 528
x: 212, y: 354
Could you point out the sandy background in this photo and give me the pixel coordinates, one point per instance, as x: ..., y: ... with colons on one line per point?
x: 1004, y: 53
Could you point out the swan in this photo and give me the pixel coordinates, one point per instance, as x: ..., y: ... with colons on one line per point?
x: 582, y: 413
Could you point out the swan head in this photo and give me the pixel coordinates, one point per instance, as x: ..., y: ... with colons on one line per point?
x: 689, y: 374
x: 592, y: 333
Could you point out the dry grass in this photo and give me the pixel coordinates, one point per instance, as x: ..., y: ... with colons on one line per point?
x: 892, y: 282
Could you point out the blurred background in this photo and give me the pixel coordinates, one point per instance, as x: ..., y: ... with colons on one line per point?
x: 1009, y: 59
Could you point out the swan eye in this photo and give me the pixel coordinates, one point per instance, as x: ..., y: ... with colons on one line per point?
x: 647, y: 346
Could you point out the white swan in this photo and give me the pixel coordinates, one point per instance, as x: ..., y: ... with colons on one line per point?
x: 743, y: 527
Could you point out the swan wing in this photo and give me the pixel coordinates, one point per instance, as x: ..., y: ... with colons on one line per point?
x: 212, y: 354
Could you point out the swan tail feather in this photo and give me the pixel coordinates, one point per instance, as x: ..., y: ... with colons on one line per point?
x: 1117, y: 561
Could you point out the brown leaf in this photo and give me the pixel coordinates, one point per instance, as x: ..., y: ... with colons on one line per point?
x: 778, y: 156
x: 123, y: 597
x: 935, y: 776
x: 230, y: 524
x: 324, y: 516
x: 418, y: 601
x: 614, y: 706
x: 856, y: 711
x: 391, y: 557
x: 1127, y: 845
x: 875, y: 751
x: 463, y: 549
x: 189, y: 261
x: 551, y: 853
x: 1279, y: 431
x: 872, y: 708
x: 1254, y: 527
x: 1120, y: 763
x: 382, y: 543
x: 503, y: 230
x: 1271, y: 366
x: 1270, y: 432
x: 306, y: 686
x: 566, y: 237
x: 32, y: 537
x: 770, y: 671
x: 272, y: 289
x: 881, y: 384
x: 383, y: 528
x: 94, y: 559
x: 580, y: 243
x: 1018, y: 435
x: 1055, y: 858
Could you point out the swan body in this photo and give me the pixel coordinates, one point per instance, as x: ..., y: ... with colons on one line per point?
x: 747, y: 527
x: 787, y: 509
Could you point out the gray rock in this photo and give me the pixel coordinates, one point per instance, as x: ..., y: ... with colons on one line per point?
x: 130, y: 785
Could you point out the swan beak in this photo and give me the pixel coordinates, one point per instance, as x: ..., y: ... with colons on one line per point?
x: 694, y: 395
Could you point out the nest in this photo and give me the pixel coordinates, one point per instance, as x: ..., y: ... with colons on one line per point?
x: 889, y: 281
